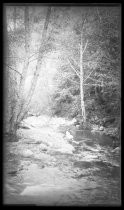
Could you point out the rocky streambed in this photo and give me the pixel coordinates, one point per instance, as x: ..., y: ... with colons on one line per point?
x: 49, y: 167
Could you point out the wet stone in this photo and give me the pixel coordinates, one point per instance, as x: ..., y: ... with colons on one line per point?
x: 12, y: 173
x: 50, y: 173
x: 27, y: 153
x: 83, y: 164
x: 43, y: 147
x: 89, y: 143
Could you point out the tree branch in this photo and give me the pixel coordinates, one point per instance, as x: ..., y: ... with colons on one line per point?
x: 73, y: 68
x: 76, y: 63
x: 105, y: 76
x: 89, y: 75
x: 99, y: 81
x: 94, y: 80
x: 85, y: 47
x: 33, y: 60
x: 108, y: 58
x: 90, y: 84
x: 37, y: 71
x: 73, y: 81
x: 93, y: 84
x: 13, y: 69
x: 34, y: 54
x: 93, y: 56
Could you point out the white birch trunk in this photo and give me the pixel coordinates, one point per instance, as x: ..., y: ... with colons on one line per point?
x: 82, y: 78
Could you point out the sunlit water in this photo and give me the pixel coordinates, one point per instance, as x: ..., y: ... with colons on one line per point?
x: 88, y: 176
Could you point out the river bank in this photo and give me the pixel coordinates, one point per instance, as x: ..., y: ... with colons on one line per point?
x: 48, y: 167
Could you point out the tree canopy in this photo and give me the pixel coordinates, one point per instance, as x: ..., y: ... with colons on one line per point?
x: 44, y: 61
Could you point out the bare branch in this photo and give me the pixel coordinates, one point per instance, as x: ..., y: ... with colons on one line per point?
x: 33, y: 60
x: 12, y: 69
x: 34, y: 54
x: 91, y: 84
x: 108, y: 58
x: 89, y: 75
x: 37, y: 71
x: 101, y: 82
x: 104, y: 76
x: 94, y: 55
x: 76, y: 63
x: 85, y: 47
x: 73, y: 81
x: 94, y: 80
x: 73, y: 68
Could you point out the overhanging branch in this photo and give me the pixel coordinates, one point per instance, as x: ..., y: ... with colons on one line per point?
x: 73, y: 81
x: 94, y: 80
x: 12, y: 69
x: 76, y: 63
x: 34, y: 54
x: 73, y: 68
x: 100, y: 82
x: 33, y: 60
x: 93, y: 84
x: 89, y: 75
x: 85, y: 47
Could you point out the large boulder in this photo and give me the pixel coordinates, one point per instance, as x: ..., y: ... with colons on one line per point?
x: 66, y: 148
x: 116, y: 150
x: 77, y: 126
x: 45, y: 158
x: 27, y: 153
x: 101, y: 128
x: 108, y: 121
x: 43, y: 147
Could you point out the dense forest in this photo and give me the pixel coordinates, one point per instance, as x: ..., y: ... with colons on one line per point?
x: 63, y: 61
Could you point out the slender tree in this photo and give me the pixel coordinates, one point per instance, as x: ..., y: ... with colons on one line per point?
x: 39, y: 60
x: 80, y: 74
x: 20, y: 100
x: 6, y: 71
x: 82, y: 51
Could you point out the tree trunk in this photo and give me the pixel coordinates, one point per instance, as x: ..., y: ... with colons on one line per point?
x: 37, y: 71
x: 7, y: 108
x: 82, y: 79
x: 24, y: 74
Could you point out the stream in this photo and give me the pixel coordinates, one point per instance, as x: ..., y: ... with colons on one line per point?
x: 47, y: 167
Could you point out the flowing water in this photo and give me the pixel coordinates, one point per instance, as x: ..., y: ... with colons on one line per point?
x: 90, y: 175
